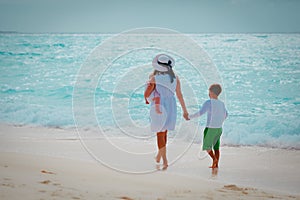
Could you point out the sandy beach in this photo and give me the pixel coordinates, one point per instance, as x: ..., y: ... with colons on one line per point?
x: 50, y: 163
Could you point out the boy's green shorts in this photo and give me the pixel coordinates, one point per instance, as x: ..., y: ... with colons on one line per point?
x: 211, y: 138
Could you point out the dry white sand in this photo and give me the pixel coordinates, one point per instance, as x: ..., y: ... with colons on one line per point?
x: 53, y: 165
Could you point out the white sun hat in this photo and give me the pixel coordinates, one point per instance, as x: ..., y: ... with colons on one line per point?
x: 161, y: 62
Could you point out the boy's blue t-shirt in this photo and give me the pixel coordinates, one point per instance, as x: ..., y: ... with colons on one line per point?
x: 216, y: 113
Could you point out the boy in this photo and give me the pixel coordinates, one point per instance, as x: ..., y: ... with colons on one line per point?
x: 216, y: 114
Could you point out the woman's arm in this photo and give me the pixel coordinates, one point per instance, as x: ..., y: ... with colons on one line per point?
x: 180, y: 98
x: 150, y: 87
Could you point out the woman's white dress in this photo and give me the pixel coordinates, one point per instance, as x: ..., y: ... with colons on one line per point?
x: 166, y: 90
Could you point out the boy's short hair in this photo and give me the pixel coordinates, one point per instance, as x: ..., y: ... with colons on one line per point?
x: 216, y: 89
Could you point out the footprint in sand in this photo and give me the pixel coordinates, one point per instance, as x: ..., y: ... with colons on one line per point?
x: 46, y: 182
x: 47, y: 172
x: 125, y: 198
x: 255, y: 193
x: 8, y: 185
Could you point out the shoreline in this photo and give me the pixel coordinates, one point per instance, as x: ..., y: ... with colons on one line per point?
x: 244, y: 173
x: 73, y: 130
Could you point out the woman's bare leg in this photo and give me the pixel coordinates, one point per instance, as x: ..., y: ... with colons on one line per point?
x: 158, y: 156
x: 164, y: 157
x: 162, y: 150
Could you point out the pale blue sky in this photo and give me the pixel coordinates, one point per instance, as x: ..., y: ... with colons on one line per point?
x: 112, y: 16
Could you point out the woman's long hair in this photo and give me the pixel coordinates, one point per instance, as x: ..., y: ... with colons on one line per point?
x: 170, y: 72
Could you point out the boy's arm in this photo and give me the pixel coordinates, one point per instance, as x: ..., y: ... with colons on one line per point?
x: 203, y: 110
x: 197, y: 114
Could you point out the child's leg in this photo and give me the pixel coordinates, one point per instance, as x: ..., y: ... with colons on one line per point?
x: 208, y: 142
x: 157, y: 104
x: 217, y: 150
x: 213, y: 156
x: 217, y: 155
x: 206, y: 145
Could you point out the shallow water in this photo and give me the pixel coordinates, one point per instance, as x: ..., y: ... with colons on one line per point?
x: 260, y: 74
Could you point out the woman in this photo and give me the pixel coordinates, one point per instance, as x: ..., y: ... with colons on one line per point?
x: 164, y: 83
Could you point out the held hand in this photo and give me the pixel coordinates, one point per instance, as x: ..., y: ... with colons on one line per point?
x: 186, y: 116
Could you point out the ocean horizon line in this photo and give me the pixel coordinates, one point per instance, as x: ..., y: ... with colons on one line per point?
x: 114, y: 33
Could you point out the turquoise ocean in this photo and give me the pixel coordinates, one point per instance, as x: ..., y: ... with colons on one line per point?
x: 260, y: 76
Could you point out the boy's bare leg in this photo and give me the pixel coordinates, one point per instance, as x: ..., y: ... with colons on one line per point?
x: 212, y: 155
x: 217, y: 155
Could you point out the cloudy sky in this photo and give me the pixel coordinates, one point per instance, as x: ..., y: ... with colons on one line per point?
x: 112, y: 16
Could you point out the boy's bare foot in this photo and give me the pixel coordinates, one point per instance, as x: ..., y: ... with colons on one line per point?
x: 214, y: 172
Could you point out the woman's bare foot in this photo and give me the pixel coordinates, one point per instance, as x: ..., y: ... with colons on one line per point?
x: 165, y: 166
x: 157, y: 167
